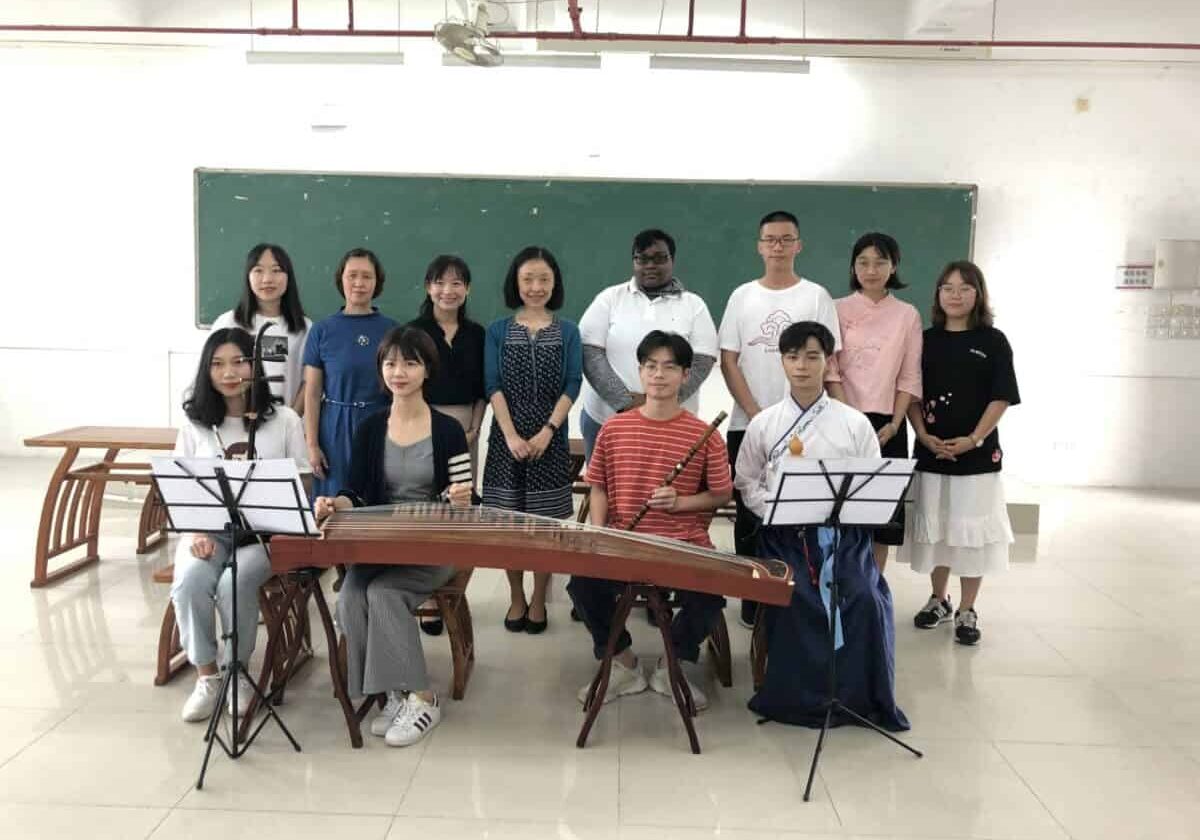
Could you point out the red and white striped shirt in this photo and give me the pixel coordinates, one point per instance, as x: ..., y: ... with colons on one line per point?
x: 633, y: 457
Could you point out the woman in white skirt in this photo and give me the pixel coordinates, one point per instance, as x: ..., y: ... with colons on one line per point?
x: 960, y: 521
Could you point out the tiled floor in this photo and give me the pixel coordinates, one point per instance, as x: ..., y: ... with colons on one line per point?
x: 1077, y: 717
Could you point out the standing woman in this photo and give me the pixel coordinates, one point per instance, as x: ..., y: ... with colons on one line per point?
x: 879, y: 364
x: 533, y: 367
x: 405, y: 453
x: 457, y: 387
x: 271, y: 296
x: 216, y: 427
x: 341, y: 386
x: 960, y: 519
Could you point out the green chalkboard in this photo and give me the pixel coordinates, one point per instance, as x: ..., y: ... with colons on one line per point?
x: 587, y: 224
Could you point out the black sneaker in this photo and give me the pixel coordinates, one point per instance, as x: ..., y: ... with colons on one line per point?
x: 934, y: 612
x: 966, y: 627
x: 748, y: 614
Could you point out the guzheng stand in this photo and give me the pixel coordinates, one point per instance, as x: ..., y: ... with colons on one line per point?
x: 200, y: 497
x: 679, y: 686
x: 836, y: 493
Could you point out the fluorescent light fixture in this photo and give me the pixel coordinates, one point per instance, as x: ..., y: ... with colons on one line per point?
x: 734, y: 65
x: 297, y: 57
x: 583, y: 61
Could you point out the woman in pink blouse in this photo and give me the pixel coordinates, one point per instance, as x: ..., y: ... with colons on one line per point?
x: 879, y: 365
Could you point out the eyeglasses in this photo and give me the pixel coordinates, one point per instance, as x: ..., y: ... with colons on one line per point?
x: 651, y: 259
x: 665, y: 367
x: 956, y: 291
x: 878, y: 265
x: 772, y: 241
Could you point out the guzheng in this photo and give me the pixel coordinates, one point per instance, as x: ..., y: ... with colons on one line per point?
x: 429, y: 533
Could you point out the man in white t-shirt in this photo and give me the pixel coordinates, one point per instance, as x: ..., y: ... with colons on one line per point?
x: 755, y: 316
x: 621, y: 316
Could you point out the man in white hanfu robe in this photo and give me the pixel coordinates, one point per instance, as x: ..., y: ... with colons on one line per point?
x: 809, y: 423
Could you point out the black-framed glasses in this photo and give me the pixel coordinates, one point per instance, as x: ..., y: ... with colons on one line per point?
x: 772, y: 241
x: 651, y: 259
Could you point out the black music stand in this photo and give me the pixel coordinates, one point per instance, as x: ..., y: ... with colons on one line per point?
x: 834, y: 493
x: 199, y: 496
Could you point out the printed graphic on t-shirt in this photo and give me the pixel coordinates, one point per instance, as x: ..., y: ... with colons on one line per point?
x: 363, y: 341
x: 771, y: 328
x: 275, y: 345
x: 933, y: 404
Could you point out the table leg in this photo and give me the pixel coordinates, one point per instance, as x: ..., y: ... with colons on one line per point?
x: 152, y: 526
x: 70, y: 519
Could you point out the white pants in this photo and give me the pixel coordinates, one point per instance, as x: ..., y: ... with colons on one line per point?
x: 199, y: 583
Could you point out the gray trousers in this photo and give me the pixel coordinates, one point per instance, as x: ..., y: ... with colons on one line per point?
x: 383, y: 643
x: 197, y: 584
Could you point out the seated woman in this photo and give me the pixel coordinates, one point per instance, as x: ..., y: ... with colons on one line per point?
x: 217, y: 428
x: 809, y: 423
x: 405, y: 453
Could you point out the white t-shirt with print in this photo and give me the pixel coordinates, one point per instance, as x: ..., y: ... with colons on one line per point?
x: 277, y: 341
x: 753, y: 320
x: 280, y: 436
x: 619, y: 318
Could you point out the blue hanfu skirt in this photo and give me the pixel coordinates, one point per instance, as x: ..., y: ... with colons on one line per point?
x: 797, y: 680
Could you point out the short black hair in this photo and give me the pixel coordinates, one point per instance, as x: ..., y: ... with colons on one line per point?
x: 797, y: 334
x: 780, y: 216
x: 289, y: 305
x: 375, y: 264
x: 512, y: 296
x: 414, y: 345
x: 681, y: 351
x: 442, y: 264
x: 647, y: 238
x: 204, y: 404
x: 888, y: 247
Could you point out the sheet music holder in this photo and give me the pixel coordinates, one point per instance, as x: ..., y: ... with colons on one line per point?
x: 833, y: 493
x: 240, y: 500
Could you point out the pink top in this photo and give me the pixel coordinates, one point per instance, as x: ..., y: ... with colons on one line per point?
x: 881, y: 351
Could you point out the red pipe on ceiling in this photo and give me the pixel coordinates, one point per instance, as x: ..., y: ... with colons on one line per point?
x: 600, y: 37
x: 576, y: 14
x: 691, y: 17
x: 296, y: 14
x: 742, y: 28
x: 350, y: 14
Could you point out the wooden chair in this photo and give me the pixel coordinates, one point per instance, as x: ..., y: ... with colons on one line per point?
x: 172, y: 659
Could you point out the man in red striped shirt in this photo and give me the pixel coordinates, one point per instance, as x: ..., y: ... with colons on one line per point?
x: 635, y: 452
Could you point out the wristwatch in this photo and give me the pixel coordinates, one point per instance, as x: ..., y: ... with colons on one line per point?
x: 550, y: 425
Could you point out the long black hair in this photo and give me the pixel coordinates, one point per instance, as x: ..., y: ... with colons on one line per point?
x: 442, y: 265
x: 289, y: 305
x: 204, y: 404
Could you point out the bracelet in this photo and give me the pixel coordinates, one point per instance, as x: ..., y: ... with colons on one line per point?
x: 549, y: 424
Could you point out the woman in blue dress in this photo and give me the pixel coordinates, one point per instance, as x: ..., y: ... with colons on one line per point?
x: 532, y: 370
x: 341, y: 387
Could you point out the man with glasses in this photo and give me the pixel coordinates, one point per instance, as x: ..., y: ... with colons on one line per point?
x: 621, y: 316
x: 757, y: 313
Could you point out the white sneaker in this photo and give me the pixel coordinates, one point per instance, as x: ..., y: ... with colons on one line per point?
x: 395, y: 705
x: 415, y: 721
x: 245, y: 692
x: 660, y: 683
x: 203, y: 699
x: 621, y: 681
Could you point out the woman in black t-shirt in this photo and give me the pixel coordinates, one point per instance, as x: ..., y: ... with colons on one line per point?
x: 960, y: 518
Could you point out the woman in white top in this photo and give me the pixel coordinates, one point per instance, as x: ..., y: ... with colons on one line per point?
x: 217, y: 428
x: 272, y: 296
x: 621, y: 316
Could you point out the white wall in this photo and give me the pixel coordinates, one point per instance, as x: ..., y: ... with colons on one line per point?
x: 96, y: 225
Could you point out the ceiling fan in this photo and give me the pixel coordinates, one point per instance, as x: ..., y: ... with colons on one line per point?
x: 469, y: 39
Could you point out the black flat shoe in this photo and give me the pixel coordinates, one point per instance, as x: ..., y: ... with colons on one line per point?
x: 535, y: 627
x: 431, y: 626
x: 517, y: 625
x: 575, y: 616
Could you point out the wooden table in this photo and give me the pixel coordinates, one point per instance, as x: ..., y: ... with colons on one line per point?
x: 75, y: 495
